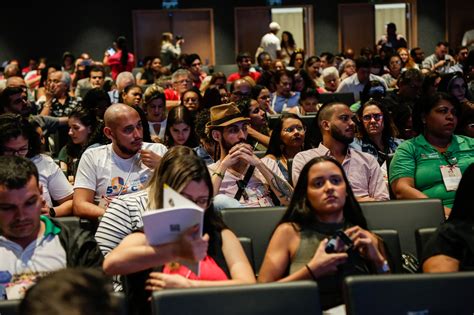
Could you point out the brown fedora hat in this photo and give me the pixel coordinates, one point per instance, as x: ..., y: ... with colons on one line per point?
x: 225, y: 115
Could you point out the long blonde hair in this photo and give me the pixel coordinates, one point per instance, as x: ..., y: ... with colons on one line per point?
x: 179, y: 166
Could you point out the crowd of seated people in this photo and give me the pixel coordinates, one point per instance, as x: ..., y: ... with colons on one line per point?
x: 93, y: 140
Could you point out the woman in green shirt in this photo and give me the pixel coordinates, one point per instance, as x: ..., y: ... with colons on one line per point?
x: 430, y: 165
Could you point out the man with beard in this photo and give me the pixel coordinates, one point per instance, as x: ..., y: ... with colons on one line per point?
x: 337, y: 130
x: 31, y: 244
x: 228, y: 127
x: 119, y: 168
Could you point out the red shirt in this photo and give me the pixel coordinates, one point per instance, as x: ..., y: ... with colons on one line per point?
x: 116, y: 66
x: 235, y: 76
x: 208, y: 268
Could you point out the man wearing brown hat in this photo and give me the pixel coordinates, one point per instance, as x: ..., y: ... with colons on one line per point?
x: 239, y: 174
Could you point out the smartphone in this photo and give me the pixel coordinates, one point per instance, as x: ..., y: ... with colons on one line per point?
x: 111, y: 51
x: 339, y: 243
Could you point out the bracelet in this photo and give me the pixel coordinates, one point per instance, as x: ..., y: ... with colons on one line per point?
x: 221, y: 175
x: 310, y: 272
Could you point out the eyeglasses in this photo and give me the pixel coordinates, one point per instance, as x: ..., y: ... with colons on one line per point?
x: 376, y: 117
x: 19, y: 152
x: 293, y: 128
x: 202, y: 202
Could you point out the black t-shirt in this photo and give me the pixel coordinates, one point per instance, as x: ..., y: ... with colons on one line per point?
x: 454, y: 239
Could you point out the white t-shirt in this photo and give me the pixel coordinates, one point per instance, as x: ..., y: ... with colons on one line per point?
x: 52, y: 179
x: 271, y: 44
x: 103, y: 171
x: 257, y: 192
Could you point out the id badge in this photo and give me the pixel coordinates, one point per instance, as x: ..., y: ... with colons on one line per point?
x: 451, y: 176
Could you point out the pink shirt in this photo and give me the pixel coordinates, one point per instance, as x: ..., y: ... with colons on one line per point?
x: 116, y: 65
x: 257, y: 191
x: 235, y: 76
x: 362, y: 171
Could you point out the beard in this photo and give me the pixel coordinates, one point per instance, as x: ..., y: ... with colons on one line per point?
x: 339, y: 136
x: 126, y: 150
x: 227, y: 146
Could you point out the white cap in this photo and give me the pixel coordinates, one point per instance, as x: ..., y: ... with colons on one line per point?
x: 274, y: 26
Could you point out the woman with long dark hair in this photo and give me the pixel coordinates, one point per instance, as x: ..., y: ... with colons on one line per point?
x: 121, y: 60
x: 180, y: 128
x: 323, y: 206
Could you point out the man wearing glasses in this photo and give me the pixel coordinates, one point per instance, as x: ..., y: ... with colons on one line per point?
x: 337, y: 129
x: 239, y: 177
x: 181, y: 82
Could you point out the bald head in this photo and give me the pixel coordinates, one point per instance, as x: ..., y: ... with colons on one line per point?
x: 16, y: 82
x: 115, y: 112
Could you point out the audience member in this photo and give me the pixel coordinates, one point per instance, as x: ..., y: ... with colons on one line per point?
x: 96, y: 79
x: 284, y: 98
x: 312, y: 67
x: 322, y: 204
x: 331, y: 80
x: 337, y: 129
x: 308, y: 103
x: 228, y: 127
x: 258, y: 131
x: 400, y: 102
x: 207, y: 146
x: 454, y: 83
x: 355, y: 83
x: 440, y: 61
x: 154, y: 105
x: 407, y: 60
x: 244, y: 63
x: 180, y: 128
x: 72, y: 291
x: 451, y: 248
x: 122, y: 167
x: 84, y: 131
x: 123, y: 80
x: 287, y: 140
x: 18, y: 137
x: 377, y: 133
x: 151, y: 74
x: 192, y: 99
x: 96, y: 100
x: 418, y: 56
x: 394, y: 71
x: 413, y: 170
x: 262, y: 95
x: 297, y: 59
x: 222, y: 259
x: 347, y: 68
x: 181, y: 81
x: 194, y: 64
x: 31, y: 244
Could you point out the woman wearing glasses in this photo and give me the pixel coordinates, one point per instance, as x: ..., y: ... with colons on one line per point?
x: 377, y: 132
x: 223, y: 261
x: 287, y: 139
x: 20, y: 137
x: 431, y: 164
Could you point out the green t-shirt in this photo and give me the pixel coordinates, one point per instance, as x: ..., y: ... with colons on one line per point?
x: 417, y: 159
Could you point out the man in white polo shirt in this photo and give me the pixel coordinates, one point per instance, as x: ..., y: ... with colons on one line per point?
x: 119, y: 168
x: 32, y: 245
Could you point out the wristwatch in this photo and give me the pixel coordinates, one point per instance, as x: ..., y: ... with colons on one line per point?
x: 52, y: 212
